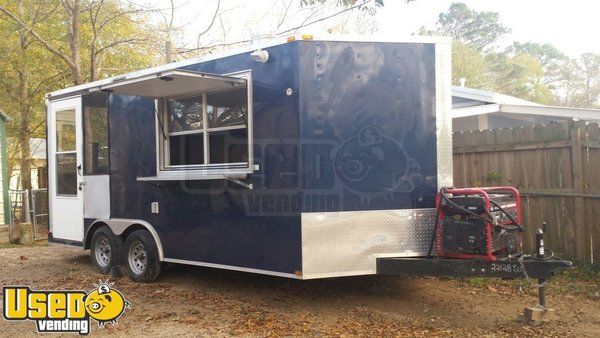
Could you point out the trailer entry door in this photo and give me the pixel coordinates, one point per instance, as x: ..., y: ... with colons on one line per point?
x: 64, y: 169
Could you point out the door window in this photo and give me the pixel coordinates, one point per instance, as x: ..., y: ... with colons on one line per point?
x: 66, y: 154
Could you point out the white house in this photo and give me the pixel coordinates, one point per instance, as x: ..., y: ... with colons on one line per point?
x: 39, y: 170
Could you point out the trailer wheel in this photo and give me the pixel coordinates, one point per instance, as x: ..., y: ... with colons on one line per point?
x: 141, y: 257
x: 107, y: 249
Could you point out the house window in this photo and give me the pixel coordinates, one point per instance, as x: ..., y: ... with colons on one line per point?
x: 208, y: 131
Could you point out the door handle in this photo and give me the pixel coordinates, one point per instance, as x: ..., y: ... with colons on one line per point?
x: 81, y: 185
x: 79, y: 170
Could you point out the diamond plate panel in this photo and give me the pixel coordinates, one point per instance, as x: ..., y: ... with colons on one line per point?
x: 347, y: 243
x: 443, y: 106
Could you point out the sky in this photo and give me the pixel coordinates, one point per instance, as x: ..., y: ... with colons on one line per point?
x: 570, y: 25
x: 573, y: 26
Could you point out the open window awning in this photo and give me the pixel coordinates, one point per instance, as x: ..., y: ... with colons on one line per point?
x: 171, y: 83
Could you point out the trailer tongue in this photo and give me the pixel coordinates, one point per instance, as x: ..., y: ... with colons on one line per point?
x: 509, y: 268
x: 531, y: 267
x: 478, y: 234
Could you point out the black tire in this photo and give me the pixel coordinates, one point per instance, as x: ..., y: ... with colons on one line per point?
x: 106, y: 249
x: 141, y: 257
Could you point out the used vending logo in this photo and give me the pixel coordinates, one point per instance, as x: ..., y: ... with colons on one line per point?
x: 64, y: 311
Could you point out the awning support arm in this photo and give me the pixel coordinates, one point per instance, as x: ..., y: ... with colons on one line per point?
x: 162, y: 129
x: 243, y: 184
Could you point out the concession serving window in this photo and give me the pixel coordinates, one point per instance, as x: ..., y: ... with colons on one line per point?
x: 203, y: 122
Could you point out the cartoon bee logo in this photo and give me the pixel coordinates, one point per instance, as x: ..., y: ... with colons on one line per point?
x: 105, y: 304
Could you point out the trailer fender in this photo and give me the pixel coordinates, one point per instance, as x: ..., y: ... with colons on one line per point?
x: 120, y: 225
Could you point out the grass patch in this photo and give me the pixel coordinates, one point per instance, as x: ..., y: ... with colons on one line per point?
x: 43, y: 242
x: 478, y: 281
x: 583, y: 279
x: 8, y: 245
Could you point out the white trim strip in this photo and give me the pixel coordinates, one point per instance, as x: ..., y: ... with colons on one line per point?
x: 185, y: 132
x: 339, y: 274
x: 231, y: 267
x: 475, y: 110
x: 566, y: 112
x: 197, y: 175
x: 224, y: 128
x: 443, y: 109
x: 211, y: 166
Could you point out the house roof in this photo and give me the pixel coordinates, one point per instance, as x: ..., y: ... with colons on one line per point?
x: 487, y: 96
x: 472, y: 102
x: 37, y: 148
x: 5, y: 116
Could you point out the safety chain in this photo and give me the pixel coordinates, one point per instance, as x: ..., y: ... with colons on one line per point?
x: 527, y: 278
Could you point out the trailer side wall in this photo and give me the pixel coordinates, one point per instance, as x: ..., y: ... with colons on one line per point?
x: 216, y: 221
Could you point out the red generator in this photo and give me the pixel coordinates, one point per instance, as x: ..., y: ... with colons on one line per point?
x: 478, y: 222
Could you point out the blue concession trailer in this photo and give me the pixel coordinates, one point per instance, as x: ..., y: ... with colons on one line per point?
x: 300, y: 158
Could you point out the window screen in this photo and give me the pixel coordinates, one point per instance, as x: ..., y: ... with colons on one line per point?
x: 95, y: 133
x: 229, y: 108
x: 185, y: 114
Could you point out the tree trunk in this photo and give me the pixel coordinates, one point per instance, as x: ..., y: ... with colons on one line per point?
x: 169, y: 51
x: 93, y: 62
x: 25, y: 161
x: 25, y: 110
x: 73, y: 10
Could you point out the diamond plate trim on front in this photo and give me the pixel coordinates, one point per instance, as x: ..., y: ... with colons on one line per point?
x: 347, y: 243
x: 443, y: 107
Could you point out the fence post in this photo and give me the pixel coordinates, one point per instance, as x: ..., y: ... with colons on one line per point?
x: 34, y: 213
x: 26, y: 206
x: 582, y: 231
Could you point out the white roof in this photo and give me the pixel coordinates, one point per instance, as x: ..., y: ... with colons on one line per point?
x: 486, y: 102
x: 37, y: 148
x: 490, y: 97
x: 5, y: 116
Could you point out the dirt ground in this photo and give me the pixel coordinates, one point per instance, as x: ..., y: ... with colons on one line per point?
x: 196, y: 301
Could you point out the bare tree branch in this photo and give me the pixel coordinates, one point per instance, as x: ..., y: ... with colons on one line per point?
x: 287, y: 8
x: 304, y: 24
x: 118, y: 42
x: 214, y: 17
x: 212, y: 22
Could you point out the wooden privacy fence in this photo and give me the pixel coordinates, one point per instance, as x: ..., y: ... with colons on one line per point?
x: 557, y: 169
